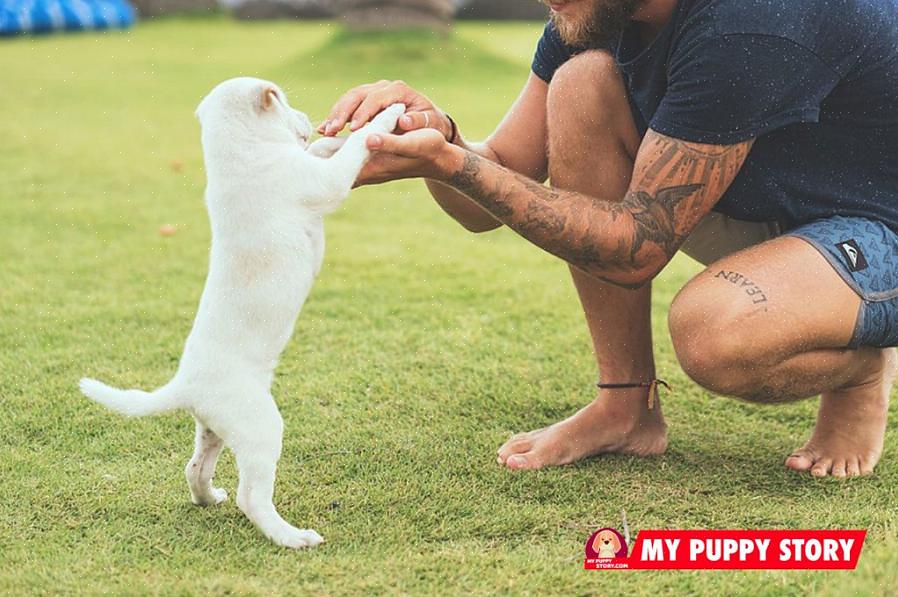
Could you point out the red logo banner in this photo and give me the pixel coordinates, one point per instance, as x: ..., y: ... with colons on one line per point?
x: 737, y: 550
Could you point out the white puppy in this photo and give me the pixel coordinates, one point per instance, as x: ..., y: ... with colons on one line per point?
x: 267, y: 196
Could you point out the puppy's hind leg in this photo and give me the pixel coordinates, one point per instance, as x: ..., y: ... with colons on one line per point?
x: 257, y: 446
x: 201, y: 468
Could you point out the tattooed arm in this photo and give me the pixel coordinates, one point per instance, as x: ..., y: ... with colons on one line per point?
x: 518, y: 143
x: 624, y: 241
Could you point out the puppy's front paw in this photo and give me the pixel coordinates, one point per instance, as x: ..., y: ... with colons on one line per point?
x: 325, y: 147
x: 298, y: 538
x: 386, y: 121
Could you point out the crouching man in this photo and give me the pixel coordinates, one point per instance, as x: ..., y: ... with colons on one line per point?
x: 760, y: 137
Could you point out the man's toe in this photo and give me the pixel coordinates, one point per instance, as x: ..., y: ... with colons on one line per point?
x: 853, y: 467
x: 802, y: 460
x: 517, y: 445
x: 840, y: 469
x: 822, y: 467
x: 521, y: 462
x: 866, y: 467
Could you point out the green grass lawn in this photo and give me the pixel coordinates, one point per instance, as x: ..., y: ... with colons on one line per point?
x: 421, y: 348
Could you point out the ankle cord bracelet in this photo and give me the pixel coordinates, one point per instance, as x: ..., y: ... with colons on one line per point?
x: 651, y: 385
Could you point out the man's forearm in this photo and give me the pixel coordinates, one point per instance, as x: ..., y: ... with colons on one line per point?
x: 460, y: 207
x: 621, y: 241
x: 626, y: 241
x: 595, y: 235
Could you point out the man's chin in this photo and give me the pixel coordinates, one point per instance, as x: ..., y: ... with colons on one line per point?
x: 580, y: 36
x: 600, y: 28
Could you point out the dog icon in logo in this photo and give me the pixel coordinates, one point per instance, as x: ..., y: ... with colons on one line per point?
x: 607, y: 544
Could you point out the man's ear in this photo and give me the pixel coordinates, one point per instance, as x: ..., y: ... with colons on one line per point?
x: 265, y: 98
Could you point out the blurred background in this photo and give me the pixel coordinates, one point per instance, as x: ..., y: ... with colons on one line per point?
x: 24, y: 16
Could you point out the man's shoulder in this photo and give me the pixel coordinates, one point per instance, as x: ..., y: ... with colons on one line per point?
x: 797, y: 20
x: 833, y: 30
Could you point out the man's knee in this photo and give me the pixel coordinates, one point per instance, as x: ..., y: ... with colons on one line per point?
x: 587, y: 90
x: 584, y: 70
x: 713, y: 343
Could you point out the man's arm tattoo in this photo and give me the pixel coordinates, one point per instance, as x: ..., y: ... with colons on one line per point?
x: 674, y: 184
x: 655, y: 217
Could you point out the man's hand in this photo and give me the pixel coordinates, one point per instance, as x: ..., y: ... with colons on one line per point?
x: 421, y: 153
x: 361, y: 104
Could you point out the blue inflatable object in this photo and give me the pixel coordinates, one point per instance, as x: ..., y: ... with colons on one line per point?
x: 44, y: 16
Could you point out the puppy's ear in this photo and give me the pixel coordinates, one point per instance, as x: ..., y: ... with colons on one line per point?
x: 264, y: 100
x: 616, y: 543
x: 597, y: 543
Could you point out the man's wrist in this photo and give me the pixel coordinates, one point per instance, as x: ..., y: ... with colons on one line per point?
x: 449, y: 161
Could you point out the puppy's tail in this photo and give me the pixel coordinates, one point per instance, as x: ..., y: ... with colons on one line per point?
x: 132, y: 403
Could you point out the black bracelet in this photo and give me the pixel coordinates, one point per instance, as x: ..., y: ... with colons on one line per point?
x: 453, y: 136
x: 651, y: 385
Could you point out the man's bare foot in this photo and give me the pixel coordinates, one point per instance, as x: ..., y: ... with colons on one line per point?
x: 617, y: 421
x: 851, y: 424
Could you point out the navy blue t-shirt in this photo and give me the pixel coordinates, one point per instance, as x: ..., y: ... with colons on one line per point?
x: 815, y: 81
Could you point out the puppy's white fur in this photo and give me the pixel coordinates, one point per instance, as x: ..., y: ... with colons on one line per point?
x: 266, y: 196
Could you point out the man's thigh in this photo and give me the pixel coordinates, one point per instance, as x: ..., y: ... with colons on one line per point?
x: 798, y: 292
x: 776, y: 299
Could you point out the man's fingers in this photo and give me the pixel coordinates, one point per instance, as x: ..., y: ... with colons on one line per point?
x: 341, y: 111
x: 382, y: 143
x: 377, y: 100
x: 413, y: 121
x: 414, y: 144
x: 346, y: 106
x: 400, y: 145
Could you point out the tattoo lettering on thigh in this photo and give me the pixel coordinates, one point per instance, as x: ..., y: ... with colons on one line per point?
x: 757, y: 295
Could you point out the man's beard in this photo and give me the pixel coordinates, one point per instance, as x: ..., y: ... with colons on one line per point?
x: 599, y: 28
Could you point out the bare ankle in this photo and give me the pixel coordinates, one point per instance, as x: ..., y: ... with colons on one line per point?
x: 872, y: 370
